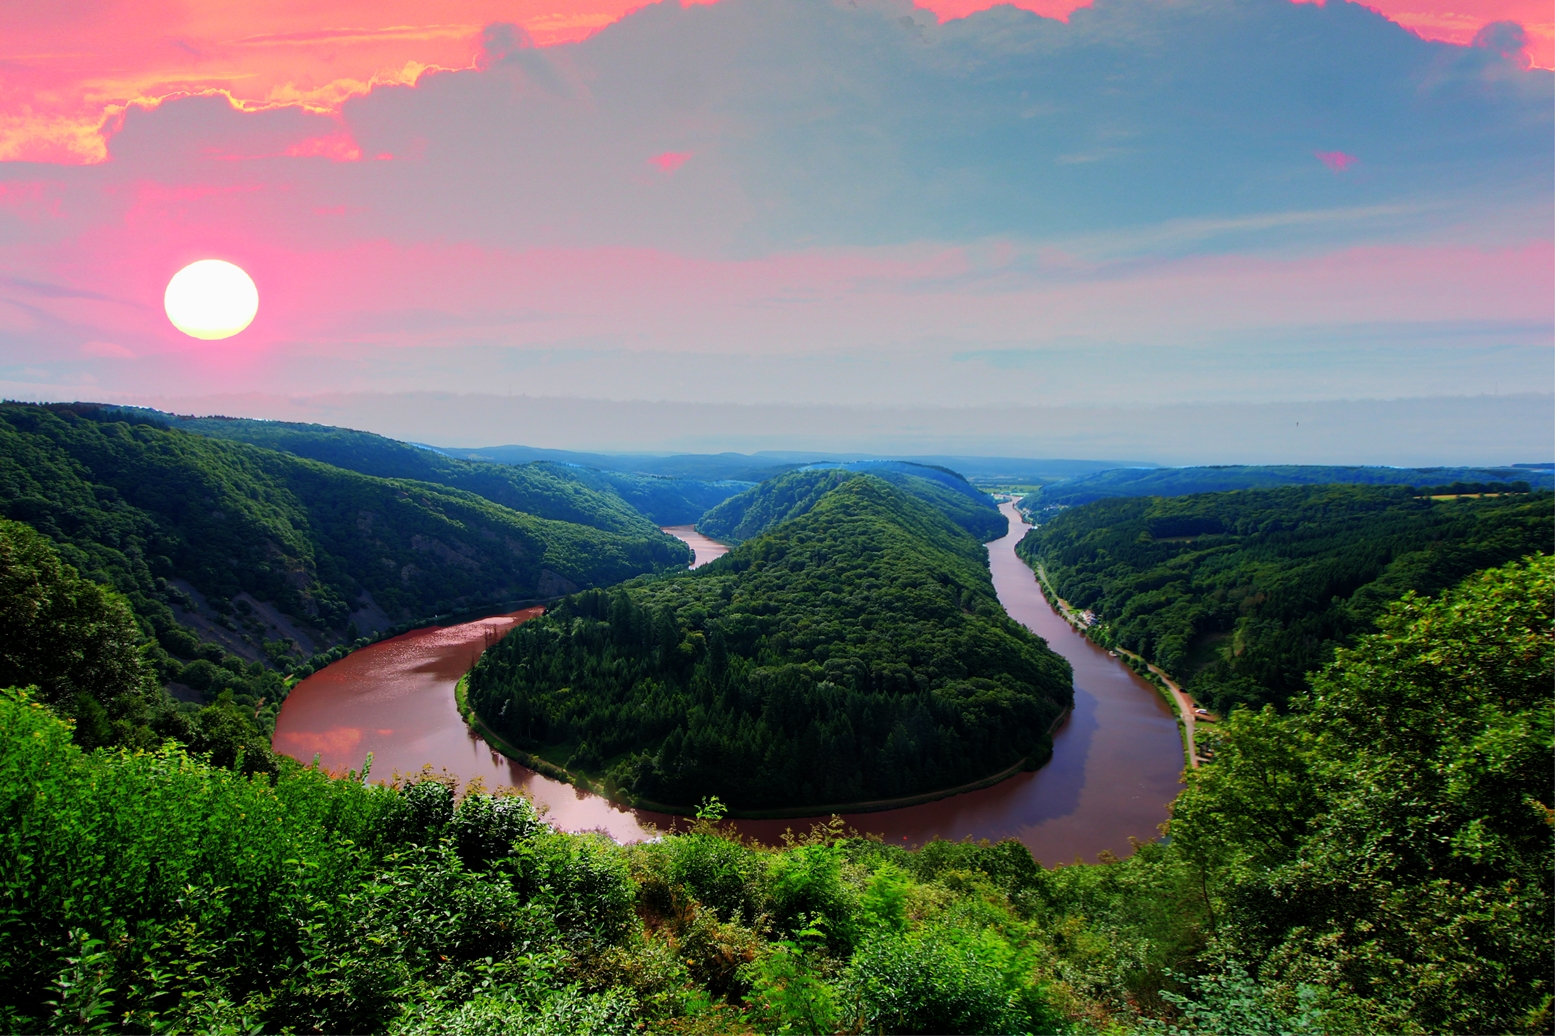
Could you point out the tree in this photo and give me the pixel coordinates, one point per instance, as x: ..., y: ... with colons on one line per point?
x: 1390, y: 840
x: 76, y: 641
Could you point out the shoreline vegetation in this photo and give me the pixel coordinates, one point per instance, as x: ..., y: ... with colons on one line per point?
x: 1169, y: 689
x: 243, y: 569
x: 1241, y: 595
x: 619, y: 797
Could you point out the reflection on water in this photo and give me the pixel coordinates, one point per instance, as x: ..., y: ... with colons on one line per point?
x: 1116, y: 760
x: 704, y: 549
x: 395, y: 699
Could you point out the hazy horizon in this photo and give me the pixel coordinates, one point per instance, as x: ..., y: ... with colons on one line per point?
x: 1235, y: 211
x: 1476, y: 431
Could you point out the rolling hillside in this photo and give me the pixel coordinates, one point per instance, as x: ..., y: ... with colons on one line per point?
x: 1243, y: 594
x: 264, y: 553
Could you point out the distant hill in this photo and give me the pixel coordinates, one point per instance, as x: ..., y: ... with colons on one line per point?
x: 1084, y: 488
x: 788, y: 496
x: 711, y: 467
x: 223, y: 543
x: 544, y: 491
x: 765, y: 464
x: 662, y: 499
x: 856, y: 652
x: 544, y: 487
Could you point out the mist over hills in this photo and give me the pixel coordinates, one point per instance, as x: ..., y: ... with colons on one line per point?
x: 1467, y: 430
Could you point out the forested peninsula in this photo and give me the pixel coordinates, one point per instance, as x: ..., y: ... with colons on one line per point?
x: 1241, y: 594
x: 854, y: 653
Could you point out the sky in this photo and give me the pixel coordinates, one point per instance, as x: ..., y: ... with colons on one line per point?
x: 858, y: 218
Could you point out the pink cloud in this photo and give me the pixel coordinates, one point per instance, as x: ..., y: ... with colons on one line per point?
x: 112, y: 350
x: 670, y: 161
x: 1338, y: 161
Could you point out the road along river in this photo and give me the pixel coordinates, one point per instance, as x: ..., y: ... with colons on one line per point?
x: 1116, y: 760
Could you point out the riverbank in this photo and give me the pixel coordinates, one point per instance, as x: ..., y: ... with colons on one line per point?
x: 1160, y: 679
x: 619, y: 797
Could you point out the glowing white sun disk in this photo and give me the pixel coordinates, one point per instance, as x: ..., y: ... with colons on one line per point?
x: 211, y: 299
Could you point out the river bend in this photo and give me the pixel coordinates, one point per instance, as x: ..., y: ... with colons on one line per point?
x: 1117, y: 760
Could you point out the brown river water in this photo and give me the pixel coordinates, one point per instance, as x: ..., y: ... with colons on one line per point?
x: 1117, y: 760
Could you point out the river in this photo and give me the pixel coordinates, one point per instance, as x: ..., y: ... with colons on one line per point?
x: 1117, y: 759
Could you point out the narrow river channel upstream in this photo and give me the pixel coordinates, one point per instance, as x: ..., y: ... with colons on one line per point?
x: 1117, y: 759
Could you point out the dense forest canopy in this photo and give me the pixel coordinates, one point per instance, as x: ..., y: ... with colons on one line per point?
x: 1242, y: 594
x: 234, y: 557
x: 609, y: 500
x: 788, y: 496
x: 856, y: 652
x: 1219, y: 478
x: 1377, y: 860
x: 663, y: 500
x: 80, y: 647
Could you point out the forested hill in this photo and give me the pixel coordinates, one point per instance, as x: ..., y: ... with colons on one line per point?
x: 857, y: 652
x: 664, y: 500
x: 1242, y: 594
x: 258, y: 550
x: 612, y: 501
x: 1086, y: 487
x: 788, y: 496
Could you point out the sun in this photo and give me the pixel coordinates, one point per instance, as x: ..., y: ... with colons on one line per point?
x: 211, y: 299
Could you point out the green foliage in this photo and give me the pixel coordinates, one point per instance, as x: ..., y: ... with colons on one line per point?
x: 79, y: 644
x: 1088, y: 487
x: 1242, y: 594
x: 609, y: 500
x: 808, y: 896
x: 856, y: 652
x: 151, y: 891
x: 201, y: 536
x: 1376, y: 860
x: 1390, y: 841
x: 1229, y: 1003
x: 788, y: 496
x: 789, y: 994
x: 942, y: 979
x: 75, y: 640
